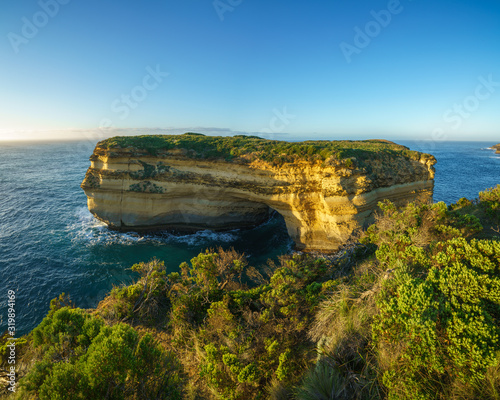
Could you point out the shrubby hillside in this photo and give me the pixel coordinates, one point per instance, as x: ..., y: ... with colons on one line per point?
x: 410, y: 309
x: 243, y: 148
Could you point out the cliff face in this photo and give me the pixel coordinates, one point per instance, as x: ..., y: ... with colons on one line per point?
x: 321, y: 200
x: 497, y: 148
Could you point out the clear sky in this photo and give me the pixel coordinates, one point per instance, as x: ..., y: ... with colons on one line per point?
x: 427, y: 69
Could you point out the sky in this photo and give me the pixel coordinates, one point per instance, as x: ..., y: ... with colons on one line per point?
x: 338, y: 69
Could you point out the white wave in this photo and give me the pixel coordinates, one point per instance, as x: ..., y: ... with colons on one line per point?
x: 202, y: 237
x: 89, y: 230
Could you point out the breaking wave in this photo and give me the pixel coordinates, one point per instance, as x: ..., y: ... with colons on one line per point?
x: 88, y: 230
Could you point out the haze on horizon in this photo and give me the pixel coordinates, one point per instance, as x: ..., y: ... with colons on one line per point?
x: 397, y: 69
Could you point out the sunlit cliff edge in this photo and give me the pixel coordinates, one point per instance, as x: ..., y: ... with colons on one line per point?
x: 323, y: 189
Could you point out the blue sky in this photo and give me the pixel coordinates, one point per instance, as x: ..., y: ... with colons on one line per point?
x: 421, y: 69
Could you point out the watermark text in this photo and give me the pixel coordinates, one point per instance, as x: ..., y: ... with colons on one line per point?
x: 224, y: 6
x: 31, y: 26
x: 364, y: 36
x: 11, y: 339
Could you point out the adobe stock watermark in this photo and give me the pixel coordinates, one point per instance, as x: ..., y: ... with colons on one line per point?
x: 139, y: 93
x: 278, y: 122
x: 224, y: 6
x: 126, y: 103
x: 455, y: 116
x: 11, y: 340
x: 373, y: 28
x: 31, y: 26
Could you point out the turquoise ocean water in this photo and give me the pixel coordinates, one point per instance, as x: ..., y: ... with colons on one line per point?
x: 50, y: 243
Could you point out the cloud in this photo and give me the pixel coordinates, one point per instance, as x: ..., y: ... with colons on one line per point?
x: 104, y: 133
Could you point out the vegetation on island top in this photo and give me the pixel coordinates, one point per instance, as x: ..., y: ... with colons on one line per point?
x: 244, y: 148
x: 409, y: 309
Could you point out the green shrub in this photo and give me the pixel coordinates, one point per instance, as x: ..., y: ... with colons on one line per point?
x: 490, y: 195
x: 489, y: 201
x: 441, y: 327
x: 389, y: 327
x: 247, y: 148
x: 244, y: 337
x: 84, y: 359
x: 417, y: 225
x: 144, y: 300
x: 486, y: 208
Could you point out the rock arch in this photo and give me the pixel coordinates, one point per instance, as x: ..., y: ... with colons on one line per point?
x: 321, y: 204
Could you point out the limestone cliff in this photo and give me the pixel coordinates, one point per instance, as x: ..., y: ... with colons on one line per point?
x: 324, y: 190
x: 497, y: 148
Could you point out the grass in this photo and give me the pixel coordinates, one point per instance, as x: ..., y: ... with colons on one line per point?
x: 243, y: 148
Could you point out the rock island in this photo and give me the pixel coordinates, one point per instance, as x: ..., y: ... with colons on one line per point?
x: 323, y: 189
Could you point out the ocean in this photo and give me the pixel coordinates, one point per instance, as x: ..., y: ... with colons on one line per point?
x: 50, y: 243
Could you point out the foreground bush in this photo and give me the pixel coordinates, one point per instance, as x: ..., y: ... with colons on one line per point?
x: 489, y: 200
x: 486, y: 208
x: 145, y: 300
x: 436, y: 332
x: 82, y: 358
x: 438, y: 323
x: 246, y: 339
x: 420, y: 318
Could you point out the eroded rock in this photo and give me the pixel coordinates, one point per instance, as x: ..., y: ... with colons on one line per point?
x: 322, y: 190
